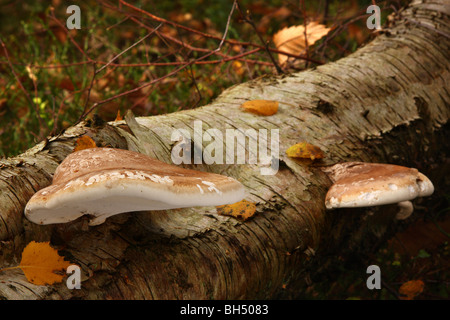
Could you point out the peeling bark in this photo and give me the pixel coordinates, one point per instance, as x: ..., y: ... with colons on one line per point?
x: 388, y: 102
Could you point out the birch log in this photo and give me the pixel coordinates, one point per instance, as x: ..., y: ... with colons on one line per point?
x: 388, y: 102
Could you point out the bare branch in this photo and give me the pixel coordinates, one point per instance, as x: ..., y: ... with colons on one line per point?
x: 129, y: 48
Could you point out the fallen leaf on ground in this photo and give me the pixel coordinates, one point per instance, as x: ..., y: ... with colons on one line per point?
x: 261, y: 107
x: 292, y: 40
x: 305, y: 150
x: 238, y: 67
x: 42, y: 264
x: 84, y: 142
x: 409, y: 290
x: 242, y: 210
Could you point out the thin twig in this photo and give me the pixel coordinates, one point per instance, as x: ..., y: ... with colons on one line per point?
x: 305, y: 33
x: 14, y: 72
x: 27, y: 95
x: 230, y: 41
x: 129, y: 48
x: 248, y: 18
x: 52, y: 16
x: 390, y: 289
x: 95, y: 105
x: 94, y: 74
x: 227, y: 26
x: 192, y: 76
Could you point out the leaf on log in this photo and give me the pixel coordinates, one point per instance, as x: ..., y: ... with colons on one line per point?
x: 242, y: 210
x: 305, y: 150
x: 42, y: 264
x: 118, y: 116
x: 84, y: 142
x: 261, y: 107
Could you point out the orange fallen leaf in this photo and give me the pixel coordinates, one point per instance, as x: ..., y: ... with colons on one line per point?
x: 242, y: 210
x: 40, y: 262
x: 410, y: 289
x: 238, y: 67
x: 261, y: 107
x: 84, y: 142
x: 59, y: 32
x: 292, y: 40
x: 118, y: 117
x: 305, y: 150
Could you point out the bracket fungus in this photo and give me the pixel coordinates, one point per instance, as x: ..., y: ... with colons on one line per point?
x: 359, y: 184
x: 101, y: 182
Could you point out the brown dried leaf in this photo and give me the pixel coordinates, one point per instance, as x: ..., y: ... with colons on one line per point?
x: 305, y: 150
x: 292, y: 39
x: 410, y: 289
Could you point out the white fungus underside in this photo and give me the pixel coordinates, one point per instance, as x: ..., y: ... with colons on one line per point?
x: 103, y: 201
x: 388, y: 194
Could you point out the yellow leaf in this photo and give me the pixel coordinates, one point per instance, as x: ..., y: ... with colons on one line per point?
x: 261, y: 107
x: 305, y: 150
x: 242, y: 209
x: 292, y: 40
x: 409, y: 290
x: 40, y: 262
x: 84, y: 142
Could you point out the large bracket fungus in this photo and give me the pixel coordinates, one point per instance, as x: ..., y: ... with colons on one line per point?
x: 101, y: 182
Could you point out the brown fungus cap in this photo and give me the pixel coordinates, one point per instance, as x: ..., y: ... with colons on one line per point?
x: 102, y: 182
x: 359, y: 184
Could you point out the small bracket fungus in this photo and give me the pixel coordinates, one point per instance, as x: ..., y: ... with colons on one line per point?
x: 359, y: 184
x: 101, y: 182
